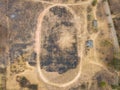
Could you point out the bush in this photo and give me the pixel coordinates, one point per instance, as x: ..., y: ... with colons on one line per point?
x: 116, y: 64
x: 94, y: 2
x: 33, y: 87
x: 106, y: 43
x: 102, y: 84
x: 23, y: 81
x: 114, y: 86
x: 110, y: 25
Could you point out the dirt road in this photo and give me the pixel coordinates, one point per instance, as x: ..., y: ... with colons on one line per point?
x: 67, y: 4
x: 112, y: 28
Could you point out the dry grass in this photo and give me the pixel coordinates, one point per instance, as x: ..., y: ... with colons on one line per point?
x: 66, y: 40
x: 93, y: 55
x: 1, y: 78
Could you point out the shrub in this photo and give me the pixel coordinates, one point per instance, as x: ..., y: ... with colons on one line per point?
x: 94, y: 2
x: 102, y: 84
x: 106, y: 43
x: 33, y: 87
x: 23, y: 81
x: 116, y: 63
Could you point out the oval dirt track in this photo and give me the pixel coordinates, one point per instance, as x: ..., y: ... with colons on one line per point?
x: 67, y: 38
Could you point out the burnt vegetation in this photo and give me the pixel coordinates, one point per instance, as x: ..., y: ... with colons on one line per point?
x: 59, y: 11
x: 53, y: 58
x: 25, y: 83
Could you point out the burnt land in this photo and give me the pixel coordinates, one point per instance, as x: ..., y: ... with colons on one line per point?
x: 56, y: 57
x: 22, y: 17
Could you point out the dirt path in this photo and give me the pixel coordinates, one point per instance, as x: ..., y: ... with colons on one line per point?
x: 112, y: 27
x: 102, y: 66
x: 96, y: 61
x: 73, y: 4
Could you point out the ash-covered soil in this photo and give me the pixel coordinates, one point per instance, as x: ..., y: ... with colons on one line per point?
x: 22, y: 18
x: 17, y: 27
x: 59, y: 41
